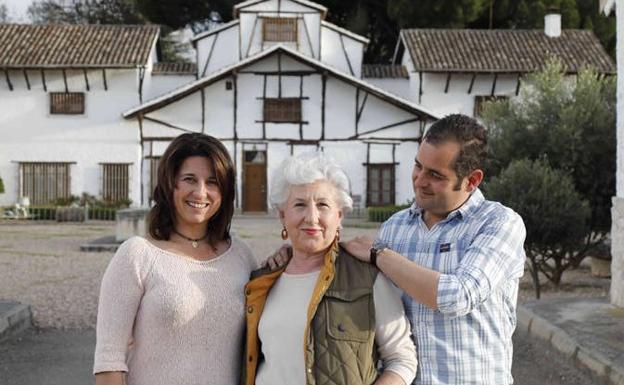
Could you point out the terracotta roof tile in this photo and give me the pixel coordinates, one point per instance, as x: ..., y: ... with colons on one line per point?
x: 24, y: 46
x: 469, y: 50
x: 174, y: 69
x: 384, y: 71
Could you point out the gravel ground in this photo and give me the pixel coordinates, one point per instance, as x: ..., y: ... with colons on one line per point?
x: 41, y: 264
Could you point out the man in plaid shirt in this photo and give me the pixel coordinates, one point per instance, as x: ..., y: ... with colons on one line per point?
x: 458, y: 259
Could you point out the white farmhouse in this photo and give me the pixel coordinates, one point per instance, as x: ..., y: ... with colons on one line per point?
x: 456, y: 70
x: 278, y: 80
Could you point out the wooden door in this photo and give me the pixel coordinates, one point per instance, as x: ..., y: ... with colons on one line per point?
x: 254, y: 181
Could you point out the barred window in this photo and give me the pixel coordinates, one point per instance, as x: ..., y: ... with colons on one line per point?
x: 282, y: 110
x: 67, y: 103
x: 279, y: 29
x: 115, y: 181
x: 481, y: 100
x: 44, y: 182
x: 153, y: 175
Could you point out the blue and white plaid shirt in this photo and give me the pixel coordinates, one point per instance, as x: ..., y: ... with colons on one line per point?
x: 479, y: 251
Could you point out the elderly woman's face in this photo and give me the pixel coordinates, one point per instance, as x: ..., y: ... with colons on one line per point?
x: 311, y: 216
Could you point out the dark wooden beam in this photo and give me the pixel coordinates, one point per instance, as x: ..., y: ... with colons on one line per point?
x: 43, y: 80
x: 361, y: 110
x: 420, y: 86
x: 344, y: 49
x: 167, y: 124
x: 357, y: 108
x: 279, y: 75
x: 235, y: 86
x: 264, y: 89
x: 253, y: 33
x: 65, y: 80
x: 141, y: 77
x: 104, y: 79
x: 209, y: 55
x: 518, y: 84
x: 388, y: 126
x: 203, y: 110
x: 305, y: 26
x: 142, y: 140
x: 283, y: 73
x: 323, y: 91
x: 301, y: 110
x: 472, y: 80
x: 448, y: 81
x: 26, y: 78
x: 86, y: 78
x: 494, y: 85
x: 8, y: 80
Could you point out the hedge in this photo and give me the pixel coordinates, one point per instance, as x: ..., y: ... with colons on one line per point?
x: 381, y: 214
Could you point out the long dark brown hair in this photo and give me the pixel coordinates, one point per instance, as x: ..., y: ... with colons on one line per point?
x: 162, y: 215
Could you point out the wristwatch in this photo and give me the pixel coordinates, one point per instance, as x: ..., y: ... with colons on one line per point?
x: 374, y: 252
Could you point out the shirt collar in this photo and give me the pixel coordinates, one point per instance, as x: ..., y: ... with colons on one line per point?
x: 471, y: 205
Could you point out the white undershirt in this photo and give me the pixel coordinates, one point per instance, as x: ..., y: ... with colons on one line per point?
x: 283, y: 322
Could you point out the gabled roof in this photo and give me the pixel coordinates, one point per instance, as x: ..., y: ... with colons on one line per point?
x: 469, y: 50
x: 192, y: 87
x: 218, y: 29
x: 82, y: 46
x: 384, y: 71
x: 305, y: 3
x: 174, y: 69
x: 344, y: 31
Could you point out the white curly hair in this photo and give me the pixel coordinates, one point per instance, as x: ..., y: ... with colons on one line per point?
x: 309, y: 167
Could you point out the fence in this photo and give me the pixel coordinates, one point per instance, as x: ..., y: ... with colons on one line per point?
x: 51, y: 213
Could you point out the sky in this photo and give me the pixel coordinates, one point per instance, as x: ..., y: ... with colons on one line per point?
x: 17, y: 9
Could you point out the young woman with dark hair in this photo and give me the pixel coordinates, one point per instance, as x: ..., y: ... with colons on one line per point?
x: 171, y: 307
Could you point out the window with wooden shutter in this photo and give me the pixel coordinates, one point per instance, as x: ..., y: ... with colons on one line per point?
x: 481, y: 100
x: 380, y: 185
x: 154, y: 161
x: 44, y: 182
x: 276, y: 29
x: 115, y: 182
x: 282, y: 110
x: 67, y: 103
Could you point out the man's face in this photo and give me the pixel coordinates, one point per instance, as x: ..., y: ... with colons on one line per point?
x: 436, y: 182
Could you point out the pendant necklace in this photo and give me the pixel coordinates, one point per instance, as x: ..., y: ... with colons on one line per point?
x: 194, y: 242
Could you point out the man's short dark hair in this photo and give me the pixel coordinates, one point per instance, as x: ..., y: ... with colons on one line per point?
x: 469, y: 134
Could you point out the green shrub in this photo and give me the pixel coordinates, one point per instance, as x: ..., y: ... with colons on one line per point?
x: 1, y: 186
x: 554, y: 214
x: 382, y: 213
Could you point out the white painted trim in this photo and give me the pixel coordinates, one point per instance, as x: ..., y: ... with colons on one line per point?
x: 343, y: 31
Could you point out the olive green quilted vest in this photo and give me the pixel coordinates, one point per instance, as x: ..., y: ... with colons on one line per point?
x: 341, y: 348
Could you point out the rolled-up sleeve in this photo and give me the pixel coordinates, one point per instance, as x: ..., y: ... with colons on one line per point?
x: 495, y: 256
x: 120, y: 294
x: 393, y: 333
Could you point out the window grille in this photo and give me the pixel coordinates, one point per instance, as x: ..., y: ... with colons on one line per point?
x: 381, y: 182
x: 67, y: 103
x: 153, y: 175
x: 115, y: 181
x: 282, y: 29
x: 481, y: 100
x: 282, y: 110
x: 44, y: 182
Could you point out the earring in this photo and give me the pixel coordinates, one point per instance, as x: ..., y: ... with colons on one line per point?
x: 338, y: 234
x: 284, y: 233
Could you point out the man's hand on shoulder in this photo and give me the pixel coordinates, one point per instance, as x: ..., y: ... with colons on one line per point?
x: 359, y: 247
x: 279, y: 258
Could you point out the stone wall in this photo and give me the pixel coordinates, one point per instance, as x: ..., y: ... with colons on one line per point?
x: 617, y: 251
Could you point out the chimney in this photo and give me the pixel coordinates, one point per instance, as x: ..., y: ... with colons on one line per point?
x: 552, y: 23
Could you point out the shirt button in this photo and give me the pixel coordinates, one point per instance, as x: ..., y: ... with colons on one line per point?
x: 250, y: 309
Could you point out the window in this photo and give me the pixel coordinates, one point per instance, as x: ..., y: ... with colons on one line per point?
x: 43, y: 182
x: 279, y: 29
x: 380, y: 189
x: 114, y: 181
x: 67, y: 103
x: 154, y: 161
x: 481, y: 100
x: 282, y: 110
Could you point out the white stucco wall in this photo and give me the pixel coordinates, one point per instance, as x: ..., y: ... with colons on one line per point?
x: 161, y: 84
x: 398, y: 86
x: 31, y: 134
x: 333, y: 53
x: 225, y: 52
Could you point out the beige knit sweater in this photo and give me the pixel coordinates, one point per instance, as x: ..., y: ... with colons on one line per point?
x: 167, y: 319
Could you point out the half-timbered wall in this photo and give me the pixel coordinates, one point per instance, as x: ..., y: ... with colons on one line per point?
x: 31, y: 134
x: 341, y: 51
x: 219, y: 49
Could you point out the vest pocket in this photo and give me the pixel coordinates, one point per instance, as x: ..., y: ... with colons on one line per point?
x: 350, y: 314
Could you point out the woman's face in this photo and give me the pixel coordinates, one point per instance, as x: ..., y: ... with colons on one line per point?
x: 196, y: 196
x: 311, y: 216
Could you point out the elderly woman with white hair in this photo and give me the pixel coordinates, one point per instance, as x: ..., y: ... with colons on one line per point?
x: 324, y: 317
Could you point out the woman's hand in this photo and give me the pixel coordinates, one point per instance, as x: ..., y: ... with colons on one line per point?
x: 110, y: 378
x: 280, y: 258
x: 359, y: 247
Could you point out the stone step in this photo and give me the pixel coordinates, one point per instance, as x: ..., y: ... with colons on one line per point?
x: 15, y: 317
